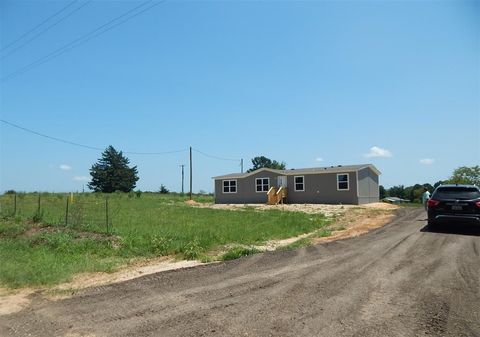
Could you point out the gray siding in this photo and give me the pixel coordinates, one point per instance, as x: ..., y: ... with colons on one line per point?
x: 322, y: 189
x: 367, y: 186
x: 246, y: 190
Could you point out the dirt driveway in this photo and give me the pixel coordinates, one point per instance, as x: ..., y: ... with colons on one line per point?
x: 398, y: 280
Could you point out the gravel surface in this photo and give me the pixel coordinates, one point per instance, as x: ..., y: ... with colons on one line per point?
x: 398, y: 280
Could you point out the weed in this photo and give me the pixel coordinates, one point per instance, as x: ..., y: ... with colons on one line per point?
x: 324, y: 232
x: 191, y: 250
x: 238, y: 252
x: 297, y: 244
x: 161, y: 245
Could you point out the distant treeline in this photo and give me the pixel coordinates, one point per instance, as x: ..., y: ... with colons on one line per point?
x: 461, y: 175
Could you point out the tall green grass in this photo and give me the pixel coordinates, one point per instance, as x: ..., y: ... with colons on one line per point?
x: 148, y: 226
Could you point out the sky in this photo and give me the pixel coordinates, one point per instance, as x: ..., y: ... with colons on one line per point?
x: 310, y: 83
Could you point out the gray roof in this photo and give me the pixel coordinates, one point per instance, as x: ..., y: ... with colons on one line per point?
x: 312, y: 170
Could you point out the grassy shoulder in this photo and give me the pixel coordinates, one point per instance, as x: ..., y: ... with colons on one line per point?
x: 46, y: 252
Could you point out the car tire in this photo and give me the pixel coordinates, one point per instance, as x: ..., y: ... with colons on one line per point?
x: 431, y: 225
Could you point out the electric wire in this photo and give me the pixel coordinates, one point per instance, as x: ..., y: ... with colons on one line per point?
x: 127, y: 16
x: 43, y: 31
x: 83, y: 145
x: 215, y: 157
x: 38, y: 25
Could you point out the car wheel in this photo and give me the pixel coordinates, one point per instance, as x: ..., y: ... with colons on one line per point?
x: 431, y: 225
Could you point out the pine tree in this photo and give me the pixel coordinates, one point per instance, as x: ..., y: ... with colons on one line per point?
x: 111, y: 173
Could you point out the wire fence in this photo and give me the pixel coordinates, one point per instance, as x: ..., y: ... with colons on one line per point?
x: 76, y: 210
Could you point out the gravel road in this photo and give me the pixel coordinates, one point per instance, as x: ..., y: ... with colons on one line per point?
x: 398, y: 280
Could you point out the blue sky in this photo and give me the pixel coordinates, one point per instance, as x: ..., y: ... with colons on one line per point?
x: 311, y: 83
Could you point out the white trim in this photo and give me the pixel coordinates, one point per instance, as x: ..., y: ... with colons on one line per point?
x: 295, y: 184
x: 268, y: 179
x: 229, y: 186
x: 348, y: 182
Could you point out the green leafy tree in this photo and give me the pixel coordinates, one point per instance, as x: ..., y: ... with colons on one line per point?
x: 397, y: 191
x: 111, y: 173
x: 466, y: 175
x: 438, y: 183
x: 382, y: 191
x: 262, y: 161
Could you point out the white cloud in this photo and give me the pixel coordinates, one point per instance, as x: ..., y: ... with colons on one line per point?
x: 81, y: 178
x: 318, y: 159
x: 65, y: 167
x: 427, y: 161
x: 376, y: 151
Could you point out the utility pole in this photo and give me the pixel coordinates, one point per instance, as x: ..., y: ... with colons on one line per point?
x: 182, y: 166
x: 190, y: 173
x: 241, y: 164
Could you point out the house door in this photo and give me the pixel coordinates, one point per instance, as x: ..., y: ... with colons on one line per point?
x: 282, y: 181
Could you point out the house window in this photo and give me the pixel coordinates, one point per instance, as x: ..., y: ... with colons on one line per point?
x: 299, y: 183
x: 342, y: 182
x: 262, y: 184
x: 229, y: 186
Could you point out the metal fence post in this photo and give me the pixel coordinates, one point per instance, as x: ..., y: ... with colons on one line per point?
x: 66, y: 213
x: 38, y: 205
x: 106, y: 212
x: 14, y: 204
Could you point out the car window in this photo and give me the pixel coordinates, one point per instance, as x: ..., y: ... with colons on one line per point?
x: 466, y: 193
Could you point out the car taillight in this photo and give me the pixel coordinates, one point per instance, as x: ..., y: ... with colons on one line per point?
x: 477, y: 204
x: 432, y: 202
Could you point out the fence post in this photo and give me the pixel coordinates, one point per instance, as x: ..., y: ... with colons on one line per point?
x: 38, y: 205
x: 106, y: 212
x: 14, y: 204
x: 66, y: 213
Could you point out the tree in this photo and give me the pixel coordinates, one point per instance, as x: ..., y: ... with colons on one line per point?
x: 438, y: 183
x: 163, y: 189
x: 111, y: 173
x: 397, y: 191
x: 382, y: 191
x: 262, y: 161
x: 466, y: 175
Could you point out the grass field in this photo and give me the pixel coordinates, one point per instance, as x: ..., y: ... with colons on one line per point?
x: 38, y: 249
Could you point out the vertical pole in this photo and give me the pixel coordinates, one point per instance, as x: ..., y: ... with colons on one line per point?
x: 38, y: 204
x: 15, y: 204
x: 66, y: 213
x: 241, y: 164
x: 106, y: 212
x: 190, y: 173
x: 183, y: 176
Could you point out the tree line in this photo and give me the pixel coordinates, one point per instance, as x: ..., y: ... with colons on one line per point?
x: 461, y: 175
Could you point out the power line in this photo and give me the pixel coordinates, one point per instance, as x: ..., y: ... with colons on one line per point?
x: 83, y: 145
x: 86, y: 37
x: 45, y: 30
x: 216, y: 157
x: 38, y: 25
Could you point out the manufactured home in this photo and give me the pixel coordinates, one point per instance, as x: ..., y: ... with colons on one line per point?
x: 352, y: 184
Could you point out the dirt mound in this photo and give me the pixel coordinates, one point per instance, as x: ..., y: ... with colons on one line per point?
x: 193, y: 203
